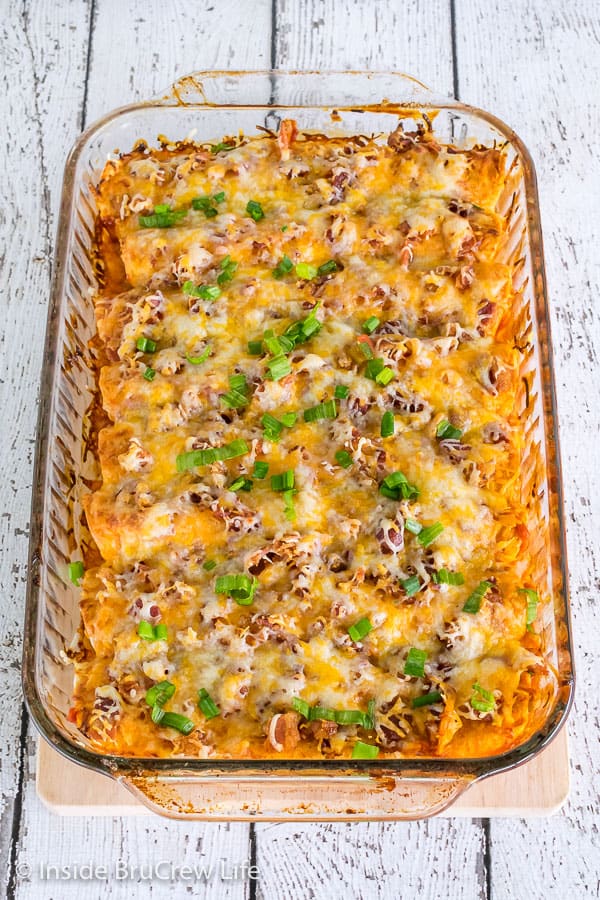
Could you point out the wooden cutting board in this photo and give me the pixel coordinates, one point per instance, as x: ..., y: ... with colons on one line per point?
x: 538, y: 788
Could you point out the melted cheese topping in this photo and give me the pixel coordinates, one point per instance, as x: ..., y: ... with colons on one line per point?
x: 415, y: 238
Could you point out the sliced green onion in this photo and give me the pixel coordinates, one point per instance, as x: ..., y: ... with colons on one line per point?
x: 284, y: 266
x: 241, y: 484
x: 367, y: 352
x: 302, y: 330
x: 157, y: 714
x: 443, y: 576
x: 284, y: 227
x: 482, y: 700
x: 327, y: 268
x: 532, y: 606
x: 370, y: 324
x: 76, y: 571
x: 207, y: 704
x: 278, y: 367
x: 159, y: 693
x: 341, y: 392
x: 162, y: 217
x: 160, y: 632
x: 396, y: 486
x: 272, y: 343
x: 289, y: 419
x: 218, y: 148
x: 301, y: 706
x: 445, y: 430
x: 196, y: 360
x: 415, y: 663
x: 411, y: 586
x: 240, y: 588
x: 152, y: 632
x: 205, y: 205
x: 218, y: 198
x: 473, y: 601
x: 385, y: 376
x: 174, y: 720
x: 260, y: 469
x: 364, y: 751
x: 237, y: 396
x: 388, y: 424
x: 289, y: 508
x: 211, y: 455
x: 428, y: 535
x: 272, y: 427
x: 209, y: 565
x: 284, y: 481
x: 255, y: 348
x: 149, y: 374
x: 427, y: 699
x: 360, y: 629
x: 146, y: 345
x: 228, y: 268
x: 413, y: 526
x: 255, y: 210
x: 306, y: 271
x: 343, y: 458
x: 326, y: 410
x: 204, y: 291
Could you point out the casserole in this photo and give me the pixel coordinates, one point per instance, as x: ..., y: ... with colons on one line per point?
x: 304, y: 787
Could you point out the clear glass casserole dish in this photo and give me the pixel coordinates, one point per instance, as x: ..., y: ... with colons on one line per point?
x: 204, y: 106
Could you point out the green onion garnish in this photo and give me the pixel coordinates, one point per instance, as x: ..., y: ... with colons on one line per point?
x: 196, y: 360
x: 284, y: 266
x: 388, y: 424
x: 396, y: 486
x: 482, y: 700
x: 413, y: 526
x: 428, y: 535
x: 260, y: 469
x: 218, y: 198
x: 326, y: 410
x: 284, y: 481
x: 203, y: 291
x: 207, y: 704
x: 328, y: 268
x: 306, y: 271
x: 411, y: 586
x: 76, y: 571
x: 289, y: 419
x: 365, y: 349
x: 376, y: 369
x: 532, y: 605
x: 218, y: 148
x: 360, y: 629
x: 426, y: 699
x: 255, y: 210
x: 172, y: 720
x: 300, y: 331
x: 384, y: 377
x: 241, y: 484
x: 146, y: 345
x: 301, y: 706
x: 211, y: 455
x: 162, y: 217
x: 289, y: 508
x: 209, y: 565
x: 364, y: 751
x: 149, y: 374
x: 240, y: 588
x: 415, y: 663
x: 205, y: 205
x: 159, y: 693
x: 341, y: 392
x: 237, y: 396
x: 272, y: 343
x: 446, y: 430
x: 370, y: 324
x: 152, y: 632
x: 272, y: 427
x: 228, y: 268
x: 473, y: 601
x: 343, y: 459
x: 255, y: 348
x: 284, y: 227
x: 341, y: 716
x: 443, y: 576
x: 278, y: 367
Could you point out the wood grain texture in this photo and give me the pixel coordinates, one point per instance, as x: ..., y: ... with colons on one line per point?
x: 543, y: 80
x: 44, y: 52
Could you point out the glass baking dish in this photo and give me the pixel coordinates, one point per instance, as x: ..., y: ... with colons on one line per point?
x: 204, y: 106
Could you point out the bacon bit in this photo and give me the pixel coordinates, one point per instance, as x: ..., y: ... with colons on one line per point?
x: 391, y: 535
x: 493, y: 434
x: 485, y: 313
x: 465, y: 277
x: 322, y: 729
x: 406, y: 256
x: 288, y: 132
x: 454, y: 449
x: 283, y: 731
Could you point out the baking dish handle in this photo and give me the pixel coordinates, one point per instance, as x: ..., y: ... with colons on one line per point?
x: 299, y: 798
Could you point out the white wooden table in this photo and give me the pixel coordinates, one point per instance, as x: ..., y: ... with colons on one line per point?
x: 536, y: 64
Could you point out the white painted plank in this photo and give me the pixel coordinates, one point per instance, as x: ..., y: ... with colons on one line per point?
x: 370, y: 860
x: 544, y: 82
x: 139, y: 48
x: 43, y: 51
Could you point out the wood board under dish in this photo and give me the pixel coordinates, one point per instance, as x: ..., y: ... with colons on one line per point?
x: 538, y: 788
